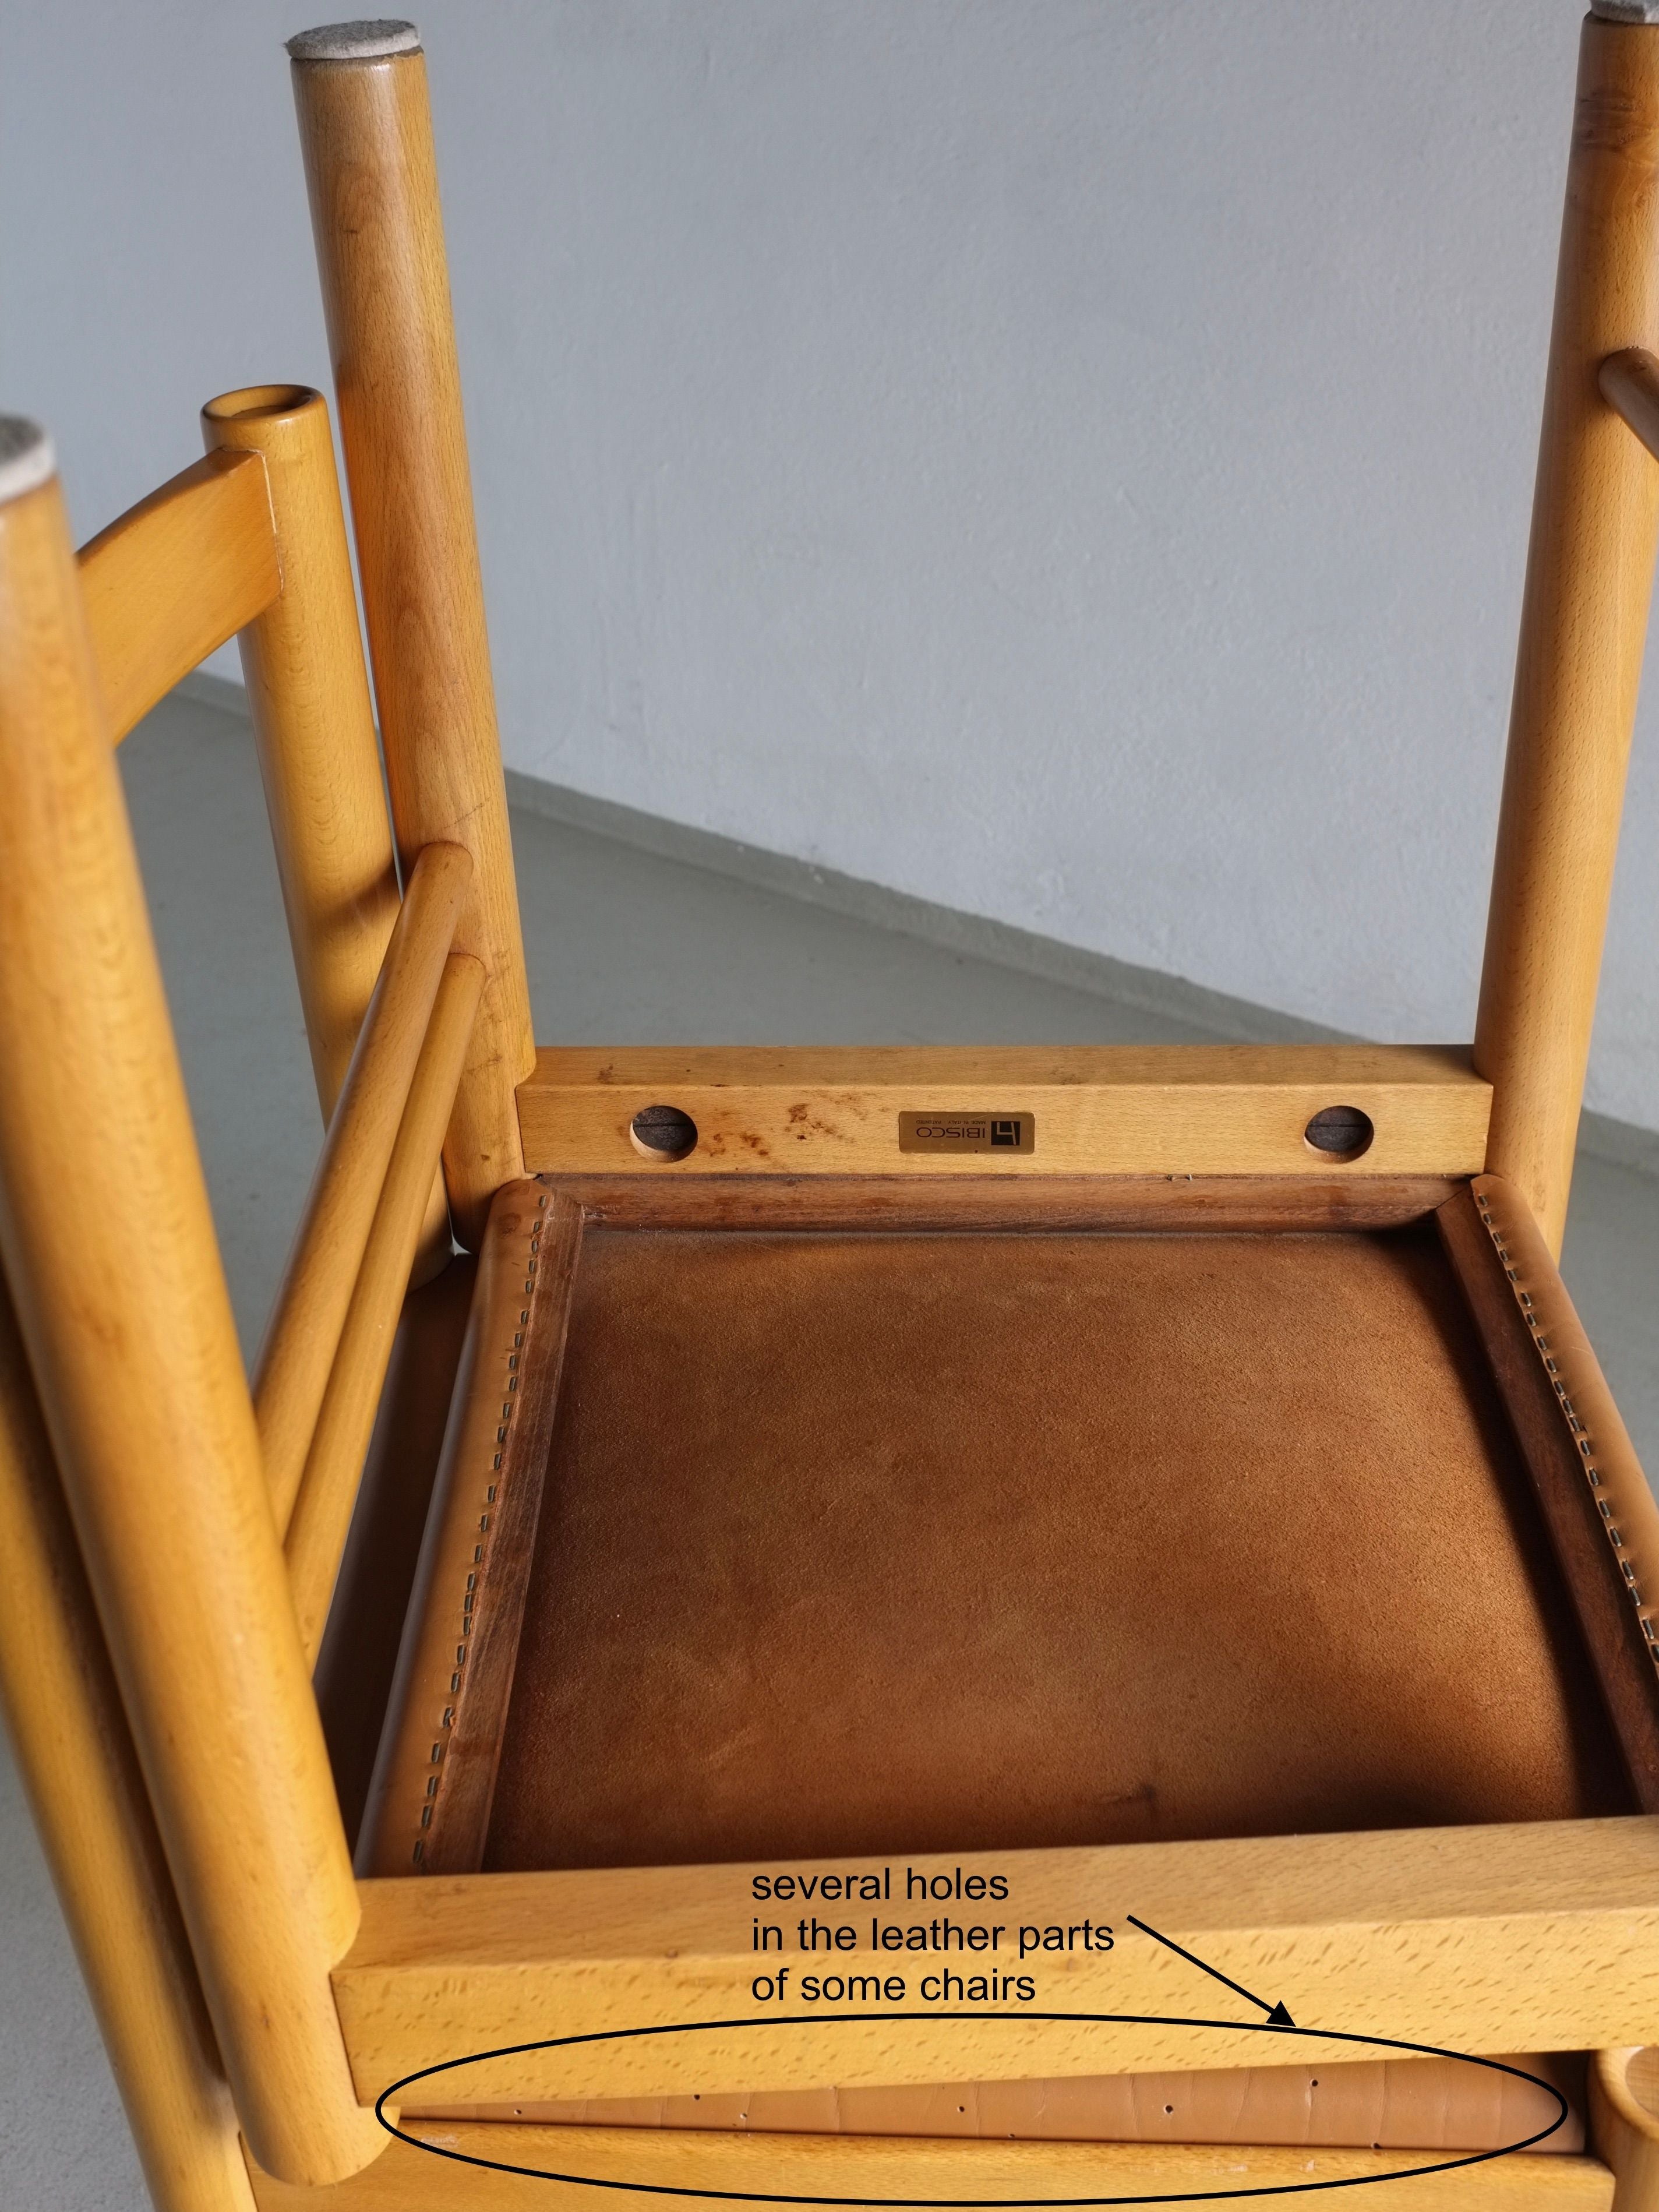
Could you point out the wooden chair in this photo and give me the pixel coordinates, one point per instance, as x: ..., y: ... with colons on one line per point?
x: 1105, y: 1496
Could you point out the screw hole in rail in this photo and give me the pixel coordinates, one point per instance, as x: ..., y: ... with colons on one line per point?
x: 1341, y: 1132
x: 663, y: 1133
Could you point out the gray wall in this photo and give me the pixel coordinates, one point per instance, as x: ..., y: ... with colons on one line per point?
x: 1066, y: 459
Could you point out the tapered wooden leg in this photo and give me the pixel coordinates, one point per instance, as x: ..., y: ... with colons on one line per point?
x: 108, y: 1246
x: 75, y: 1756
x: 367, y: 134
x: 1584, y: 621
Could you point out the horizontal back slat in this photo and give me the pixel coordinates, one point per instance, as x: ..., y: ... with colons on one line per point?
x: 174, y: 578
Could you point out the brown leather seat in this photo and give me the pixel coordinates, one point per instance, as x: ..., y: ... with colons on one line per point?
x: 855, y: 1542
x: 864, y: 1544
x: 791, y: 1526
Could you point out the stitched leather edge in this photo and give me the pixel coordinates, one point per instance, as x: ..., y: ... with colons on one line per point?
x: 433, y: 1668
x: 472, y: 1528
x: 1600, y: 1442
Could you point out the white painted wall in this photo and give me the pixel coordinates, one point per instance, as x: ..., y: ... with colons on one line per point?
x: 1067, y: 458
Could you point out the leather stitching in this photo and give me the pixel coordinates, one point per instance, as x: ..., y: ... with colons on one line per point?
x: 1560, y: 1384
x: 476, y: 1567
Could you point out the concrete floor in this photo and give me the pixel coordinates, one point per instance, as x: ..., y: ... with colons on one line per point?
x: 624, y: 947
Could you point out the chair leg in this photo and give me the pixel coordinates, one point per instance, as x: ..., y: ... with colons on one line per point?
x: 75, y: 1756
x: 308, y: 692
x: 1584, y: 621
x: 1624, y: 2131
x: 366, y: 130
x: 320, y: 759
x: 109, y: 1251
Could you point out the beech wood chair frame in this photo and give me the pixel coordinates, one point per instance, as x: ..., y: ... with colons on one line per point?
x: 173, y: 1535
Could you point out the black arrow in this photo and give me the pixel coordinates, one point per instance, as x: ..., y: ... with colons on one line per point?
x: 1277, y: 2015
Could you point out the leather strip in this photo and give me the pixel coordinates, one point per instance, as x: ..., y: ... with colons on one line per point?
x: 1412, y: 2104
x: 1171, y: 1205
x: 1601, y: 1515
x: 429, y: 1800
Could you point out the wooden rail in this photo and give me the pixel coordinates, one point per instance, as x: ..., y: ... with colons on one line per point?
x: 873, y: 2171
x: 1414, y: 1933
x: 303, y: 1334
x: 174, y: 577
x: 1104, y: 1110
x: 322, y: 1511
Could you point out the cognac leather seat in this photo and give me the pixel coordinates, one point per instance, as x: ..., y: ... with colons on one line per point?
x: 790, y: 1527
x: 857, y: 1545
x: 833, y: 1543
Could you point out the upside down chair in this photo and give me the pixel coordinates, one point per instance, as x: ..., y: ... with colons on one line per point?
x: 928, y: 1627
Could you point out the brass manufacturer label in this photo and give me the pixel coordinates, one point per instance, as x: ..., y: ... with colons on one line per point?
x: 967, y: 1133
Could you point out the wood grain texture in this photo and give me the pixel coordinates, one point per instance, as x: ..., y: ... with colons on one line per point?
x: 367, y: 135
x: 1623, y: 2113
x: 869, y: 2171
x: 108, y: 1245
x: 1174, y: 1109
x: 313, y: 728
x: 175, y: 576
x: 303, y: 1337
x: 1583, y: 624
x: 429, y: 1800
x: 316, y: 1538
x: 1535, y: 1936
x: 74, y: 1752
x: 1596, y: 1502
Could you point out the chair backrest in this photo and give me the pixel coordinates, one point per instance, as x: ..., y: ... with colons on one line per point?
x: 159, y: 1688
